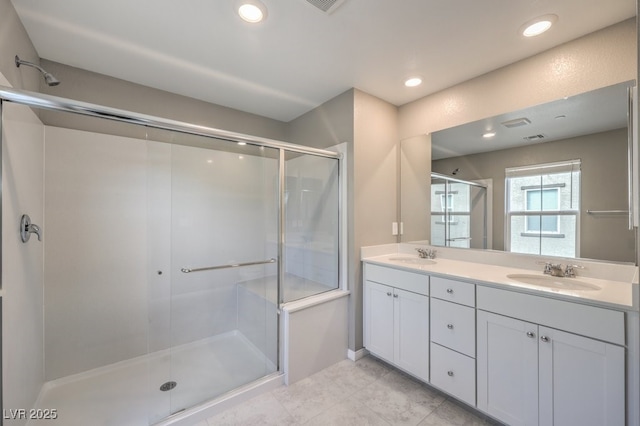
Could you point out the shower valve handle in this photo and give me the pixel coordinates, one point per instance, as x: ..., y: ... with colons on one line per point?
x: 27, y: 228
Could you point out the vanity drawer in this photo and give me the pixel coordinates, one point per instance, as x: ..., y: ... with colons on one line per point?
x: 590, y: 321
x: 410, y: 281
x: 454, y: 326
x: 454, y: 373
x: 453, y: 291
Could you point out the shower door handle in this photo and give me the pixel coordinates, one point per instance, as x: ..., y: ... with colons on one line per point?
x: 231, y: 265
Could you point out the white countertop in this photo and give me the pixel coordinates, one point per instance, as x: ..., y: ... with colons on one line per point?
x: 612, y: 294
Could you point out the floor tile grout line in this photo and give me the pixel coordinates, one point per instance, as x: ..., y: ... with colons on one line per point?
x: 283, y: 407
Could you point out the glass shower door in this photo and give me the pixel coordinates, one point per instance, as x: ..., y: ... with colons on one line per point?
x: 458, y: 213
x: 221, y: 324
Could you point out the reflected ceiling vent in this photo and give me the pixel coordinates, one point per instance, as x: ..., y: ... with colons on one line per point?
x: 516, y: 122
x: 533, y: 138
x: 327, y: 6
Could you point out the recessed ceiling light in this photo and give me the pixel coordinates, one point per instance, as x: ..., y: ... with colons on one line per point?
x: 413, y: 81
x: 252, y: 11
x: 538, y: 25
x: 242, y: 143
x: 488, y: 135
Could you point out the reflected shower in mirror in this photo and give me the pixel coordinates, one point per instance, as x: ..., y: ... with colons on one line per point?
x: 589, y: 129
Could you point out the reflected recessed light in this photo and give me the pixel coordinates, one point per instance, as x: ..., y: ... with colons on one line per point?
x: 538, y: 25
x: 242, y: 143
x: 489, y: 135
x: 209, y: 161
x: 413, y: 81
x: 240, y: 157
x: 252, y: 11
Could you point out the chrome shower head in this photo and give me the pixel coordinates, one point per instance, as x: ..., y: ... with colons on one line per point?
x: 48, y: 77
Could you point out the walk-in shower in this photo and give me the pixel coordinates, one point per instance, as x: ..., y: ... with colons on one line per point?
x: 167, y: 252
x: 458, y: 212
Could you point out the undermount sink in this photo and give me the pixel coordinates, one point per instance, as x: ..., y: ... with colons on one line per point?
x: 553, y: 282
x: 412, y: 260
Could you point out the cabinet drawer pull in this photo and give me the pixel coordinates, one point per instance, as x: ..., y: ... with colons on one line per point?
x: 450, y: 373
x: 450, y: 290
x: 388, y: 293
x: 395, y: 295
x: 531, y: 334
x: 544, y: 339
x: 450, y: 326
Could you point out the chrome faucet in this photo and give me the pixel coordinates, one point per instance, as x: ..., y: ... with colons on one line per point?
x: 556, y: 270
x: 426, y: 253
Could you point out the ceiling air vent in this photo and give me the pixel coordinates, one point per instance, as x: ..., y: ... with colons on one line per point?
x: 516, y: 122
x: 533, y: 138
x: 326, y: 6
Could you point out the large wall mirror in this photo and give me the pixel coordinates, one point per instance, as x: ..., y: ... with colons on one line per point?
x: 550, y: 180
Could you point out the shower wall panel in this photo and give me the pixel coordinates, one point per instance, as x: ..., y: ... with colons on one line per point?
x: 95, y: 251
x: 22, y: 269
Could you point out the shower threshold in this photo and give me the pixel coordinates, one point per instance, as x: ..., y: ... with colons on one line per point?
x: 128, y: 393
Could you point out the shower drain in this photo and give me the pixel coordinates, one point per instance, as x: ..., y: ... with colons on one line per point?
x: 168, y: 386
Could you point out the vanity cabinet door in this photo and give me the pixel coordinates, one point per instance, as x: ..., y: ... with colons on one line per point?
x: 411, y: 312
x: 582, y: 380
x: 378, y: 319
x: 507, y: 369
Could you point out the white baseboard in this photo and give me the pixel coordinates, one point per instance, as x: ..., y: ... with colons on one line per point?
x: 356, y: 355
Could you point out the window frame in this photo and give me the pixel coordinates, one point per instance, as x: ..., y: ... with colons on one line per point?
x: 540, y: 171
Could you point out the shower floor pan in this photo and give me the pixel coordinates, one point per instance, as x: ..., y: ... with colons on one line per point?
x: 128, y: 393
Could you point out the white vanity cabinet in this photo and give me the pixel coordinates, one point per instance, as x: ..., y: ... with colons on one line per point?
x: 530, y: 372
x: 396, y: 318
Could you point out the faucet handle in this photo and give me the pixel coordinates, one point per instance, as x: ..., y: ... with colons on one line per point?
x: 547, y: 267
x: 569, y: 270
x: 27, y: 228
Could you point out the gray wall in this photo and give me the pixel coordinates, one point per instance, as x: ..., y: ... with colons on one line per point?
x: 15, y: 41
x: 96, y: 88
x: 604, y: 186
x: 369, y: 126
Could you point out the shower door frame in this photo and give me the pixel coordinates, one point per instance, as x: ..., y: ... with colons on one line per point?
x: 59, y: 104
x: 447, y: 179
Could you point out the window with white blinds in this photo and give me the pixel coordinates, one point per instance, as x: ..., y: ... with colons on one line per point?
x: 543, y: 209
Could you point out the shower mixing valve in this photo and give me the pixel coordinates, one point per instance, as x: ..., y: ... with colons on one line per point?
x: 27, y: 228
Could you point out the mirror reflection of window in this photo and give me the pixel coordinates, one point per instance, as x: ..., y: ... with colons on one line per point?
x: 539, y: 200
x: 543, y: 208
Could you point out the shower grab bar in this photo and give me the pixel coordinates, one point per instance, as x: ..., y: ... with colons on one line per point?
x: 231, y: 265
x: 607, y: 211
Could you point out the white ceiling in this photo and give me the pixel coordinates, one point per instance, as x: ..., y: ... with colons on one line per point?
x: 300, y: 57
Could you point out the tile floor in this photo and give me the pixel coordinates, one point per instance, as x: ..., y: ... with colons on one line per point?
x: 367, y: 392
